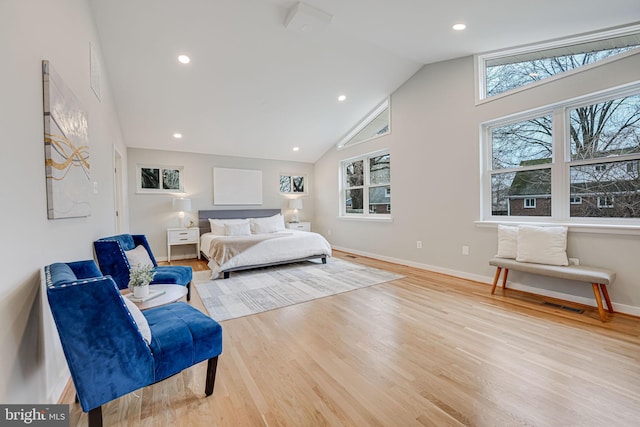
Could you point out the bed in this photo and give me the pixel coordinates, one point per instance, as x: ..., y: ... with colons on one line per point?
x: 228, y: 250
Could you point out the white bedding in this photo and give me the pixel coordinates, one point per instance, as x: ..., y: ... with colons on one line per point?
x: 283, y: 246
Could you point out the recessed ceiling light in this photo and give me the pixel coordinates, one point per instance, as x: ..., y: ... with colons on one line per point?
x: 459, y: 27
x: 342, y: 98
x: 296, y: 148
x: 177, y: 135
x: 184, y: 59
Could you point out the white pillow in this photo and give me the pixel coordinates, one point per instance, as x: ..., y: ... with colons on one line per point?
x: 507, y: 241
x: 271, y: 224
x: 139, y: 318
x: 240, y: 229
x: 542, y: 245
x: 138, y: 257
x: 217, y: 225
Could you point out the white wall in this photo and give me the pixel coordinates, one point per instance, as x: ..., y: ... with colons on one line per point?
x: 151, y: 214
x: 435, y: 169
x: 33, y: 369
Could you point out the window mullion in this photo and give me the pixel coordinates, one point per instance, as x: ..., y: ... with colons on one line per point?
x: 560, y: 167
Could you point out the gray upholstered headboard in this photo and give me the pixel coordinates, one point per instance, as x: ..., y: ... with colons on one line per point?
x: 204, y: 216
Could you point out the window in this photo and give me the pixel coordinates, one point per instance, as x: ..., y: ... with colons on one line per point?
x: 521, y: 157
x: 506, y: 71
x: 575, y: 200
x: 366, y: 181
x: 374, y: 125
x: 571, y: 160
x: 605, y: 201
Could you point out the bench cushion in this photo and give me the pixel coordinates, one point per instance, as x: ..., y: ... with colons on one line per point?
x: 571, y: 272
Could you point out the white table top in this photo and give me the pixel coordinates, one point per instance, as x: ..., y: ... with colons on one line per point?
x: 172, y: 293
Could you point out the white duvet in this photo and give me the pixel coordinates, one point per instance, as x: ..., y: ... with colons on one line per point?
x: 283, y: 246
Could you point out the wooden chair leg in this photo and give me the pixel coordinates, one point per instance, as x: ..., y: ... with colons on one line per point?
x: 606, y: 297
x: 495, y: 279
x: 212, y: 367
x: 504, y: 278
x: 95, y: 417
x: 596, y: 292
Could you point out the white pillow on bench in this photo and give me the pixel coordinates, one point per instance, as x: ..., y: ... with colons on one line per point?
x: 542, y: 245
x: 507, y: 241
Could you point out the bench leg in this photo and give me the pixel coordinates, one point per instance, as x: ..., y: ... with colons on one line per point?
x: 596, y: 292
x: 495, y: 279
x: 504, y: 278
x: 606, y: 297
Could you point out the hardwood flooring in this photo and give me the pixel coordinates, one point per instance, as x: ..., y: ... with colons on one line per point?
x: 425, y: 350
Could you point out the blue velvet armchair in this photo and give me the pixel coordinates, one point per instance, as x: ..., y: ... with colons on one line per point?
x: 104, y: 340
x: 113, y: 261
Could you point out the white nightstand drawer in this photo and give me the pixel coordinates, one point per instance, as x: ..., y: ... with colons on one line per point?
x: 183, y: 235
x: 302, y: 226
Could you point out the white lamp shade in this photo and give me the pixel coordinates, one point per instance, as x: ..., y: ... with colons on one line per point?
x: 181, y: 205
x: 295, y: 203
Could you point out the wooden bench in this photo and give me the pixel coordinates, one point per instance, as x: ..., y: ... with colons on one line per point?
x: 598, y: 277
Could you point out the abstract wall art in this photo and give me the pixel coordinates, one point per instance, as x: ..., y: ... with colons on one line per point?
x: 159, y: 179
x: 66, y: 147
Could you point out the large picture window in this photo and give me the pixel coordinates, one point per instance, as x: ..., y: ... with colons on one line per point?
x: 366, y: 186
x: 569, y: 161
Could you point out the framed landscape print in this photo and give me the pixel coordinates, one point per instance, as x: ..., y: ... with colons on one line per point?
x: 159, y: 179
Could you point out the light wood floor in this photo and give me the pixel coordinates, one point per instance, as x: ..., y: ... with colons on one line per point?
x: 425, y: 350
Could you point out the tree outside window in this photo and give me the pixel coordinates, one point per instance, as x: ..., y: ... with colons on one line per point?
x: 367, y: 182
x: 603, y: 147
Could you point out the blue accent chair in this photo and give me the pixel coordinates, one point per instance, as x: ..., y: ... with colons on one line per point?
x: 113, y: 262
x: 104, y: 346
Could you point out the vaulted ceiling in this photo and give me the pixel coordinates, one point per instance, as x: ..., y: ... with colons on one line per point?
x: 257, y: 88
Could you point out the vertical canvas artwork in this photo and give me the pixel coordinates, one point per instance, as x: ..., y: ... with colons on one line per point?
x: 66, y: 146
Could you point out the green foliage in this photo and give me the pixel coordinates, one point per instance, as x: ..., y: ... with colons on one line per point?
x: 141, y: 275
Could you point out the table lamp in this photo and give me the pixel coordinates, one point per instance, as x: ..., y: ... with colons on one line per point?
x: 181, y: 205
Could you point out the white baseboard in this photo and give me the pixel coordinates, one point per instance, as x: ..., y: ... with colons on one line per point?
x: 487, y: 280
x: 56, y: 391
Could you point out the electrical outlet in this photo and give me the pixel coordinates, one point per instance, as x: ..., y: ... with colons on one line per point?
x: 574, y: 261
x: 419, y: 244
x: 465, y: 250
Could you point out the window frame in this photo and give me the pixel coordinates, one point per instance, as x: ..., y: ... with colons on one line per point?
x: 560, y: 165
x: 365, y: 187
x: 346, y: 141
x: 481, y: 60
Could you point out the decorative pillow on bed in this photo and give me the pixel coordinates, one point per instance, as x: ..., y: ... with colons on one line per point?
x: 507, y: 241
x: 138, y: 257
x: 239, y: 229
x: 542, y: 245
x: 217, y: 225
x: 271, y: 224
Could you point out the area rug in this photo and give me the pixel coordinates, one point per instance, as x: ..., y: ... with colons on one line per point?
x: 255, y: 291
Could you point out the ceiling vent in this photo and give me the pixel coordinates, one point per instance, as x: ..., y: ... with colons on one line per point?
x: 304, y: 18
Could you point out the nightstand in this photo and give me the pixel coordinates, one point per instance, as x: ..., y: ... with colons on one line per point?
x: 183, y: 236
x: 302, y: 226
